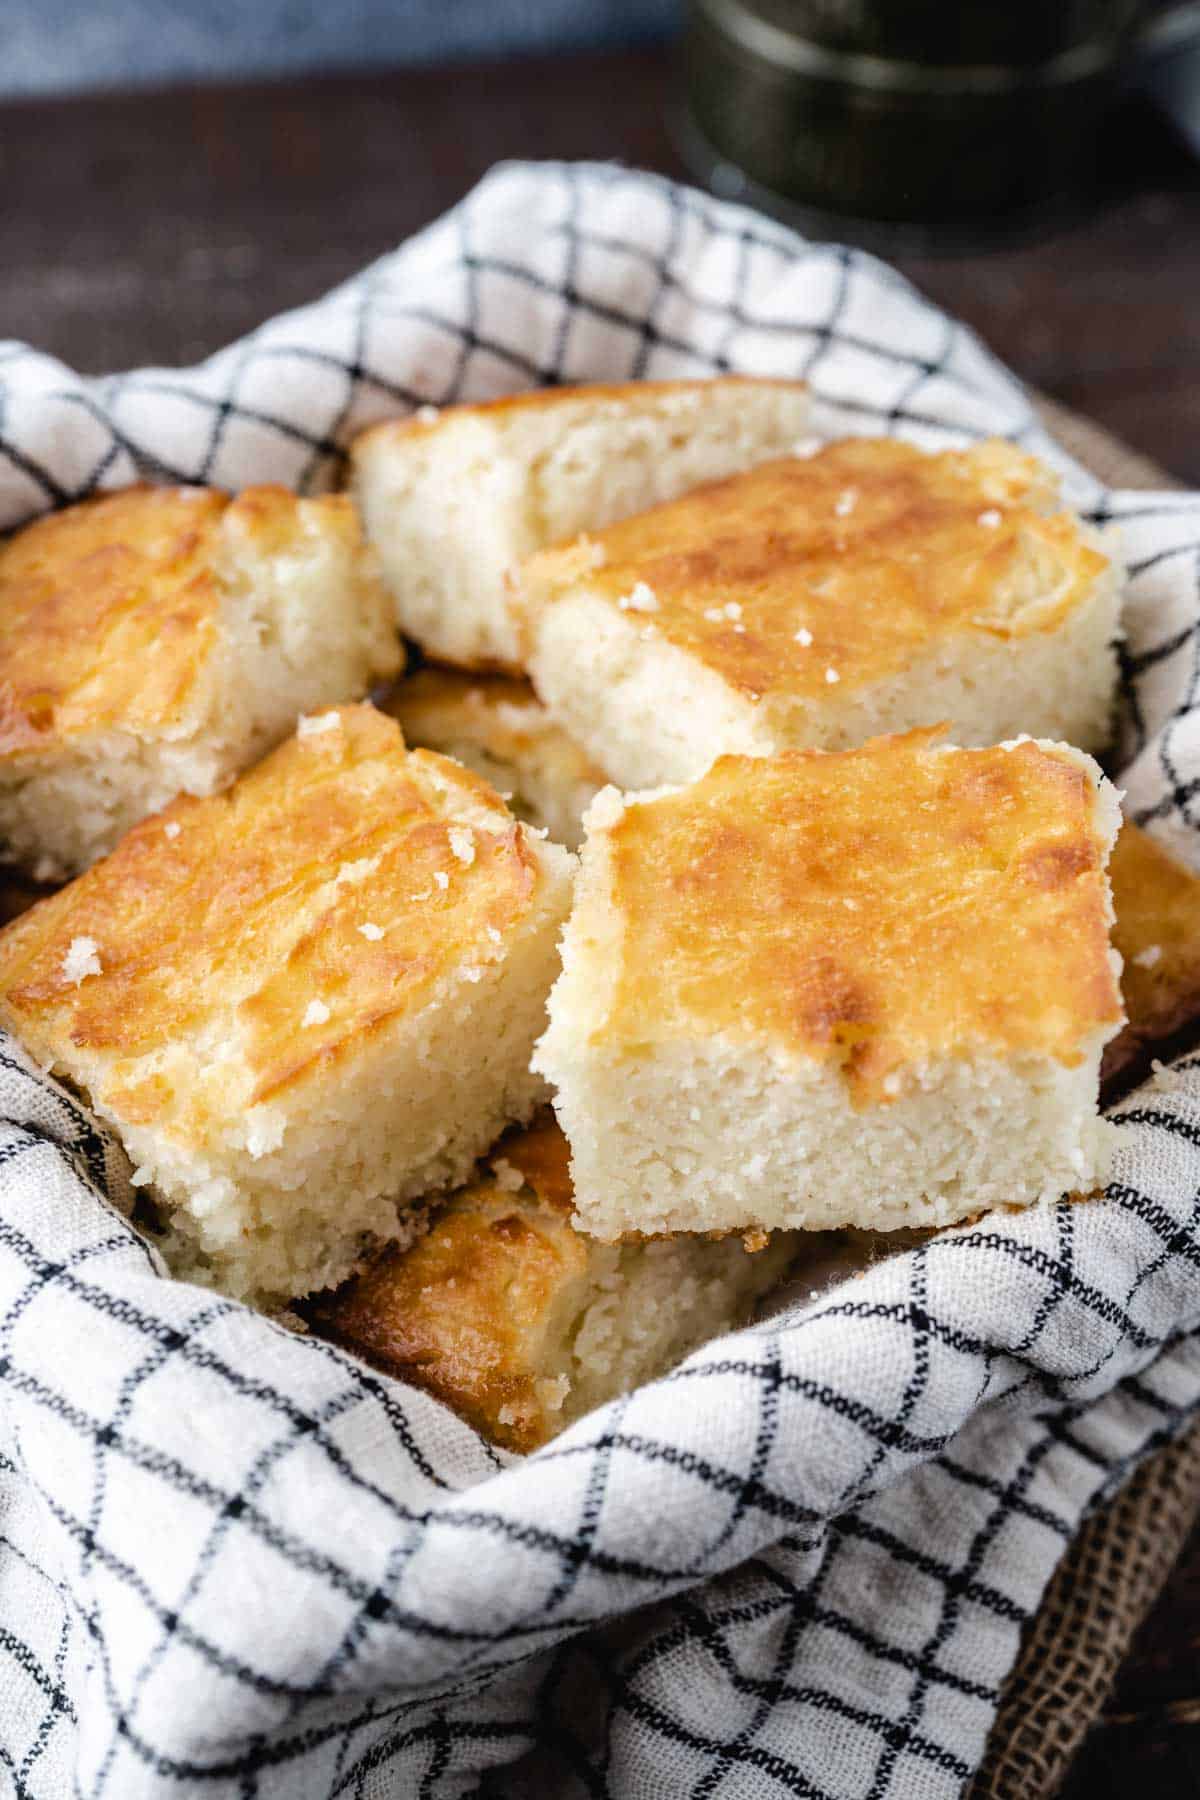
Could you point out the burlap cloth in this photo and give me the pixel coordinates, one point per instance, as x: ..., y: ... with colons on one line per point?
x: 1110, y: 1578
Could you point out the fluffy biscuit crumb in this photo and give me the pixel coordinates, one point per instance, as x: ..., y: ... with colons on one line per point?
x: 605, y: 809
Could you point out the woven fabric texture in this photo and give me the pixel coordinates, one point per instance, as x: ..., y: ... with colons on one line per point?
x: 235, y: 1563
x: 1077, y: 1639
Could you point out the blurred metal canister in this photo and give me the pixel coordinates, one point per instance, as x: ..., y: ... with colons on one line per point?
x: 905, y: 110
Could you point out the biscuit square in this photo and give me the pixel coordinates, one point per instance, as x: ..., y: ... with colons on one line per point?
x: 302, y: 1002
x: 497, y: 726
x: 864, y: 987
x: 521, y: 1323
x: 156, y: 641
x: 453, y: 501
x: 817, y: 602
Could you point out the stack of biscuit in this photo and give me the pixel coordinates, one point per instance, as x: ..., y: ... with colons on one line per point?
x: 732, y: 871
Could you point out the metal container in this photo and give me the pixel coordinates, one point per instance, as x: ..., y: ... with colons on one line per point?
x: 905, y: 110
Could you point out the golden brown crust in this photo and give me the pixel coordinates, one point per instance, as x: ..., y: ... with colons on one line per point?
x: 1157, y: 901
x: 543, y: 1156
x: 869, y: 550
x: 872, y: 908
x: 107, y: 613
x: 253, y: 908
x: 549, y: 399
x: 499, y: 714
x: 267, y: 516
x: 473, y: 1310
x: 109, y: 610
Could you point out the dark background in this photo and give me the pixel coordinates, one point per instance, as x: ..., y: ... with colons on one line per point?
x: 69, y: 45
x: 155, y: 226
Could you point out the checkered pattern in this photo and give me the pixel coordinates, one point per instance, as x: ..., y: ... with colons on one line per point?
x: 234, y: 1563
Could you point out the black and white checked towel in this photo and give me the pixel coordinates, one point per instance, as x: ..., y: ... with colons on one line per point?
x: 233, y: 1563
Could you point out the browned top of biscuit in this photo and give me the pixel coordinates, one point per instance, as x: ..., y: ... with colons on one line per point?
x: 873, y: 908
x: 477, y: 1310
x: 343, y: 876
x: 836, y: 568
x: 106, y: 612
x: 109, y: 610
x: 617, y: 394
x: 498, y: 714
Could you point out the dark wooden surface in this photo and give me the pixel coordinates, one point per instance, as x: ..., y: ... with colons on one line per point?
x: 1147, y: 1746
x: 154, y: 228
